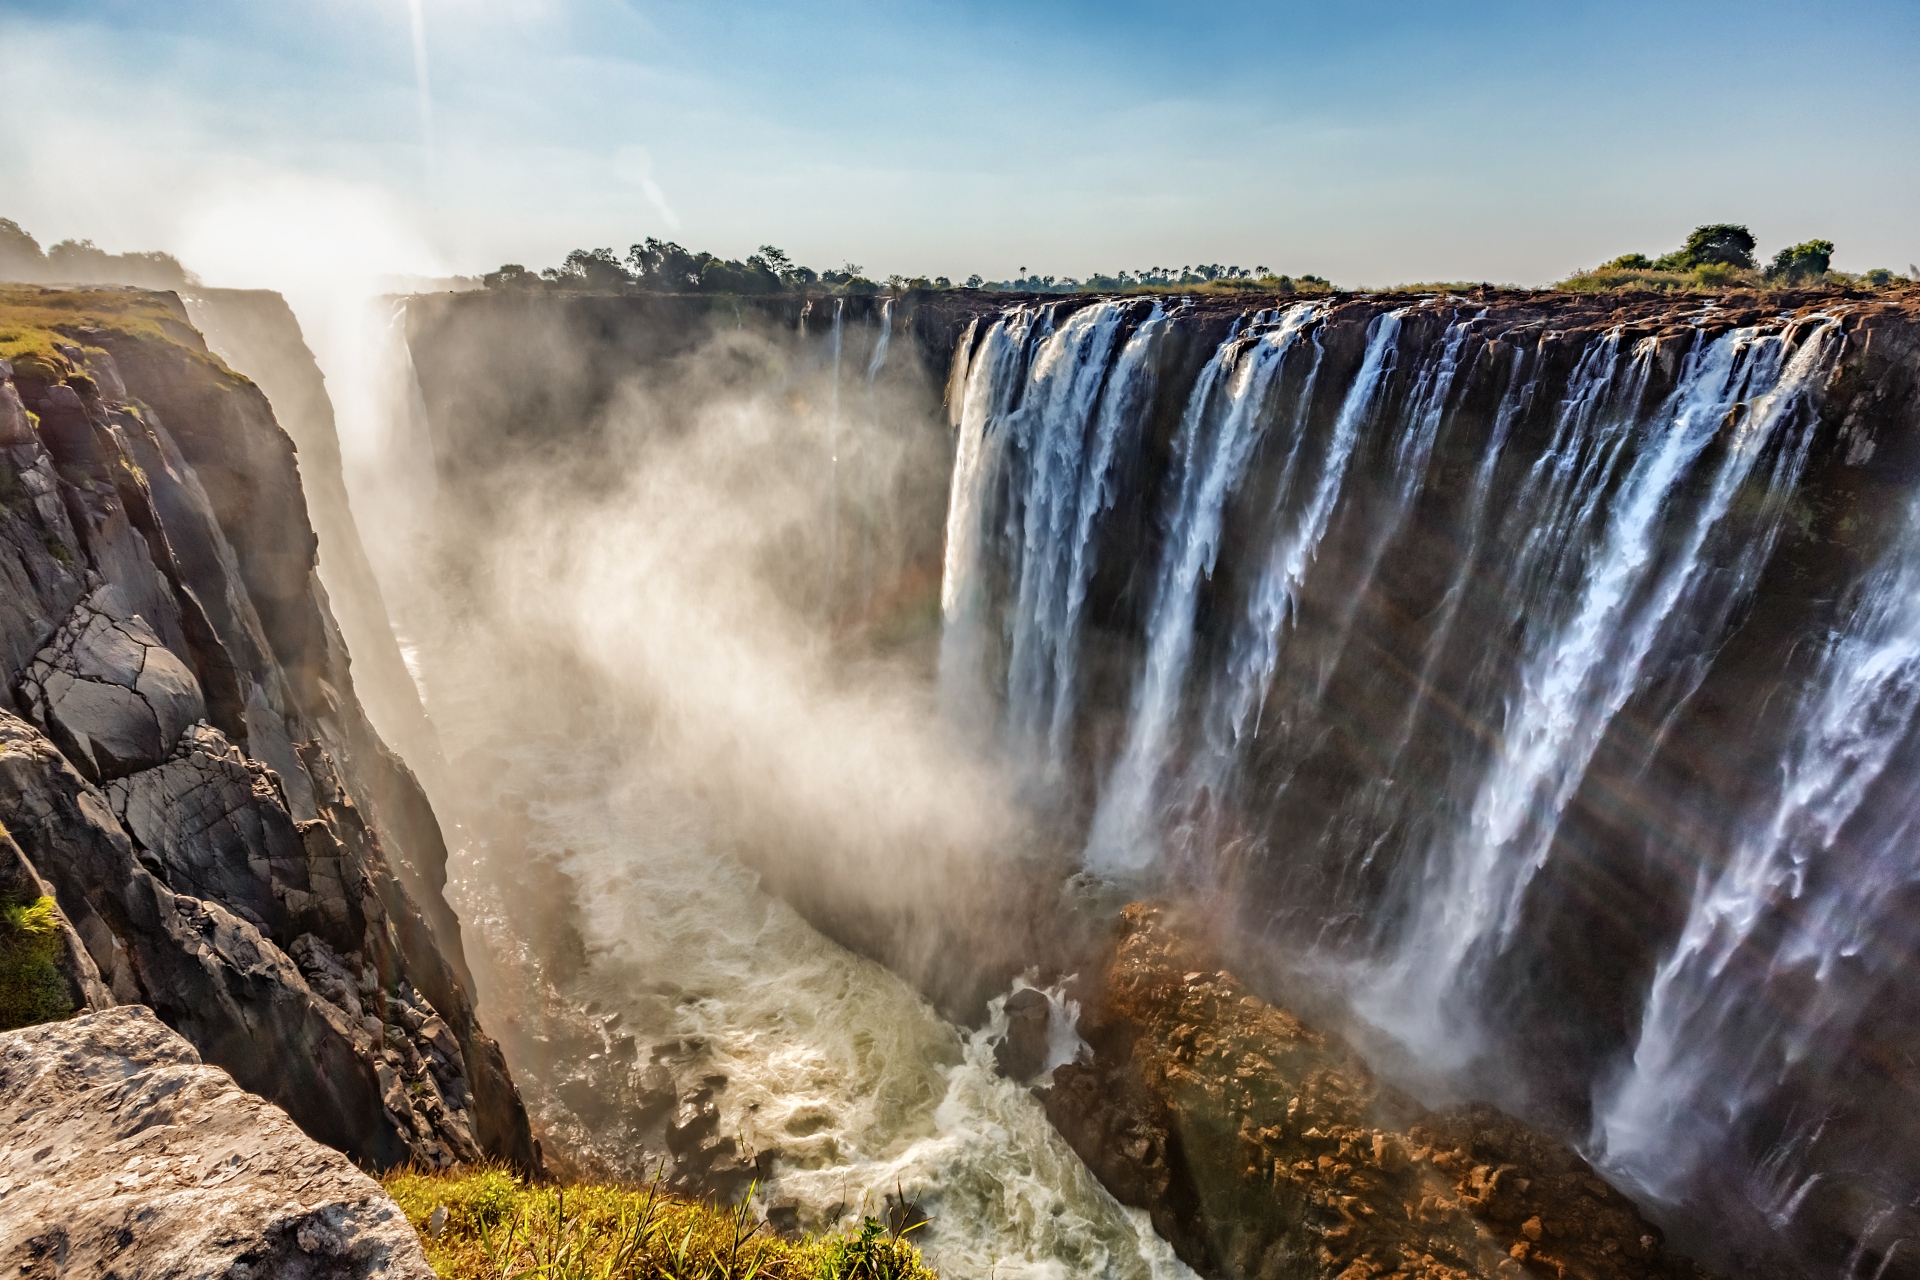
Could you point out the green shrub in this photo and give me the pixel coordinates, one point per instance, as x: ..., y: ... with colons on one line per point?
x: 1802, y: 263
x: 31, y: 987
x: 1717, y: 275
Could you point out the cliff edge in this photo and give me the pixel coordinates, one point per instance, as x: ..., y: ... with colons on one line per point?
x: 186, y: 770
x: 122, y: 1154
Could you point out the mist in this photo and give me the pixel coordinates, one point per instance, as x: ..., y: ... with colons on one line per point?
x: 676, y: 628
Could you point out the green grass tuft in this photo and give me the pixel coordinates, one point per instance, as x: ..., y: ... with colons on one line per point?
x: 31, y: 988
x: 499, y: 1228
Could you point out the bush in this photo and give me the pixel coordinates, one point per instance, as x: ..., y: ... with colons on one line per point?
x: 32, y: 989
x: 1801, y: 263
x: 498, y: 1228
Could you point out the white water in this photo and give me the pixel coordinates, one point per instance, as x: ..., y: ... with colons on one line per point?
x: 1581, y: 674
x: 879, y: 359
x: 830, y: 1059
x: 1224, y: 421
x: 1792, y: 898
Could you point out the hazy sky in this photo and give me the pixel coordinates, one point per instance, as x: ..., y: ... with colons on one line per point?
x: 1369, y: 142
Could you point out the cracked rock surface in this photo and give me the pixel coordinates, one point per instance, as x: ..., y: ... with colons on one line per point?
x: 122, y: 1154
x: 109, y: 692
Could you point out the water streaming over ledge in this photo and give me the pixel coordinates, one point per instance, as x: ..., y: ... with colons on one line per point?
x: 1431, y: 625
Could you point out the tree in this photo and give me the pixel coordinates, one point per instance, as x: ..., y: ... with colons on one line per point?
x: 511, y: 276
x: 1629, y: 262
x: 665, y: 266
x: 19, y: 253
x: 589, y: 269
x: 1722, y: 242
x: 1801, y: 262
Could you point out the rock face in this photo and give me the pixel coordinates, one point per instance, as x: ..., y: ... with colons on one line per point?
x: 190, y: 774
x: 1263, y: 1148
x: 122, y: 1154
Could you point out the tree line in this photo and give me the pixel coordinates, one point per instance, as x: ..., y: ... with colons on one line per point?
x: 1723, y: 253
x: 662, y: 266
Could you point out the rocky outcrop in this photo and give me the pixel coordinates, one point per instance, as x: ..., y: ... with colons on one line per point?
x: 191, y: 773
x: 122, y: 1154
x: 1264, y: 1148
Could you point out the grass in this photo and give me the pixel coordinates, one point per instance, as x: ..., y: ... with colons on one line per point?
x: 31, y: 988
x: 497, y: 1227
x: 33, y: 321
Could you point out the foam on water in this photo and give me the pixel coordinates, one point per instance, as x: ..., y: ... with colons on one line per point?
x: 831, y: 1061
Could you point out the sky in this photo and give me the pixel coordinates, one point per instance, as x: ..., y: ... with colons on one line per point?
x: 1370, y: 142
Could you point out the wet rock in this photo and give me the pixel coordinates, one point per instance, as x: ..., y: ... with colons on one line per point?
x: 1023, y: 1050
x: 122, y: 1154
x: 783, y: 1216
x: 1261, y: 1147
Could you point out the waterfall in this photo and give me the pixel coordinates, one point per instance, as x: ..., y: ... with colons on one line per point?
x: 1221, y: 426
x: 880, y: 346
x: 1045, y: 412
x: 1811, y: 890
x: 1430, y: 617
x: 1581, y: 672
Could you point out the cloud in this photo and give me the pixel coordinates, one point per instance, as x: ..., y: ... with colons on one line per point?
x: 634, y: 165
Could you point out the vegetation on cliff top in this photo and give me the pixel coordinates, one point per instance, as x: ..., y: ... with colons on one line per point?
x: 83, y: 262
x: 31, y: 988
x: 1720, y: 255
x: 661, y: 266
x: 35, y: 323
x: 497, y: 1227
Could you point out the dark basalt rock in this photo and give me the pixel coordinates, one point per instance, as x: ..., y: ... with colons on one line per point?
x: 194, y: 779
x: 1023, y: 1050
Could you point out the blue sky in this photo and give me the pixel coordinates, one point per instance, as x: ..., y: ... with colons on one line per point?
x: 1370, y: 142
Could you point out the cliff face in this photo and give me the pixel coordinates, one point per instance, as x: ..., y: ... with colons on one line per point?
x: 1526, y: 672
x: 187, y: 766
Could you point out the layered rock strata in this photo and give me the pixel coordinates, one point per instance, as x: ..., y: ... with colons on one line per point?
x: 190, y: 772
x: 122, y: 1154
x: 1264, y: 1148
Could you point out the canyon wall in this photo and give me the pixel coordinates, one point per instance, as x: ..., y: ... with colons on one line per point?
x: 1524, y: 681
x: 186, y: 766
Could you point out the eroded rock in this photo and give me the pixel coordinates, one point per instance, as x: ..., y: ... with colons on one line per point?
x: 1262, y: 1147
x: 122, y: 1154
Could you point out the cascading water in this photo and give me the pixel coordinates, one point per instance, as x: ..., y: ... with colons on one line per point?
x: 1438, y: 615
x: 1810, y: 914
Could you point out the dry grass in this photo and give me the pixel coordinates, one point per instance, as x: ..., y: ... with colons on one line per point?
x: 497, y: 1227
x: 33, y: 321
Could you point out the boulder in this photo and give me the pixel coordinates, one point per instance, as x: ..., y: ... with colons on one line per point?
x: 1022, y: 1051
x: 122, y: 1154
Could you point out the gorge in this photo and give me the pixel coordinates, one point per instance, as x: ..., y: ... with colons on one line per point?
x: 1517, y: 688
